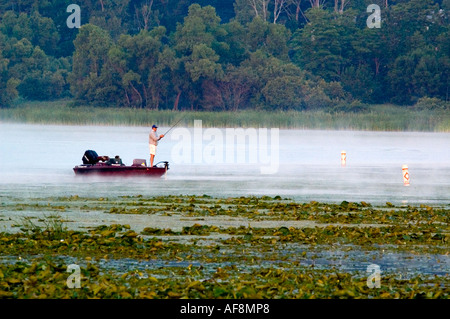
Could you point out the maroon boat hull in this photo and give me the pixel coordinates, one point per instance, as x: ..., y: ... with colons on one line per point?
x: 101, y: 169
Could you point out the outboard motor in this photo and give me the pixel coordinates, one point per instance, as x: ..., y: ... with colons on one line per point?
x: 166, y: 164
x: 90, y: 157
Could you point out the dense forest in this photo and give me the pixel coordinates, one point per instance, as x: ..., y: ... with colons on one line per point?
x: 226, y: 55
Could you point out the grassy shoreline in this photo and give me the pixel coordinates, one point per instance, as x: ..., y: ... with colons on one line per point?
x: 377, y: 118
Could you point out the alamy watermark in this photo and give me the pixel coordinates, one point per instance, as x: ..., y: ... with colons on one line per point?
x: 227, y: 146
x: 374, y: 20
x: 73, y: 20
x: 74, y: 280
x: 374, y: 279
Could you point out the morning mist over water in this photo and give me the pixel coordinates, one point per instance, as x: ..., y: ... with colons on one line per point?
x: 37, y: 161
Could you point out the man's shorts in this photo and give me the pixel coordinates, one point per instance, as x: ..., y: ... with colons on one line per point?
x: 152, y: 149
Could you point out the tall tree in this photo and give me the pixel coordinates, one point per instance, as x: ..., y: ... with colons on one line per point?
x: 8, y: 83
x: 195, y: 41
x: 260, y: 8
x: 322, y: 47
x: 137, y: 60
x: 91, y: 54
x: 37, y: 29
x: 271, y: 38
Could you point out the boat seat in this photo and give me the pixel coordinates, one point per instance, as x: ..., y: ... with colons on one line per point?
x: 139, y: 162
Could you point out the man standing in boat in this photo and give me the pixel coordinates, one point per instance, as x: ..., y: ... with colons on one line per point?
x: 153, y: 142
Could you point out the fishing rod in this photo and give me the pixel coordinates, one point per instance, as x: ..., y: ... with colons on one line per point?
x: 174, y: 125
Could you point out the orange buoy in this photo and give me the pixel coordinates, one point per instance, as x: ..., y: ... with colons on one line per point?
x: 343, y: 158
x: 405, y: 175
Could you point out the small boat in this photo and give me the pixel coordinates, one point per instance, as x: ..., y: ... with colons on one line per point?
x: 105, y: 166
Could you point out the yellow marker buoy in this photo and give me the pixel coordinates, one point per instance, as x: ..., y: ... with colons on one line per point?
x: 343, y: 158
x: 405, y: 174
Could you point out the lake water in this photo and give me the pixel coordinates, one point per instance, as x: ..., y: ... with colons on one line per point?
x: 36, y: 161
x: 305, y: 165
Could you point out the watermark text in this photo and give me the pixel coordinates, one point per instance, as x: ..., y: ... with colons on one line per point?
x: 229, y: 146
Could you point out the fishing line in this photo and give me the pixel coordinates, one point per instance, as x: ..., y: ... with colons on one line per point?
x: 174, y: 125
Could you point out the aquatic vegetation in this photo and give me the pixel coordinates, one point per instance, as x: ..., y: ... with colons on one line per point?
x: 52, y: 228
x: 325, y: 257
x: 48, y: 279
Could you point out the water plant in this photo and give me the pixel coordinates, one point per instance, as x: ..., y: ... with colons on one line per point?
x: 210, y: 260
x: 52, y: 227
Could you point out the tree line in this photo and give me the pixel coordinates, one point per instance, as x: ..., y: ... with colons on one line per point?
x: 226, y: 55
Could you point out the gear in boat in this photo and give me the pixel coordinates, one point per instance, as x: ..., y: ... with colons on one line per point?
x: 104, y: 165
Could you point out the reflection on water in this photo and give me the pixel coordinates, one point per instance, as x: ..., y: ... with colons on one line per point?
x: 37, y: 161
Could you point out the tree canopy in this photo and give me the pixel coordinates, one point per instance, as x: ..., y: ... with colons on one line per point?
x: 225, y: 55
